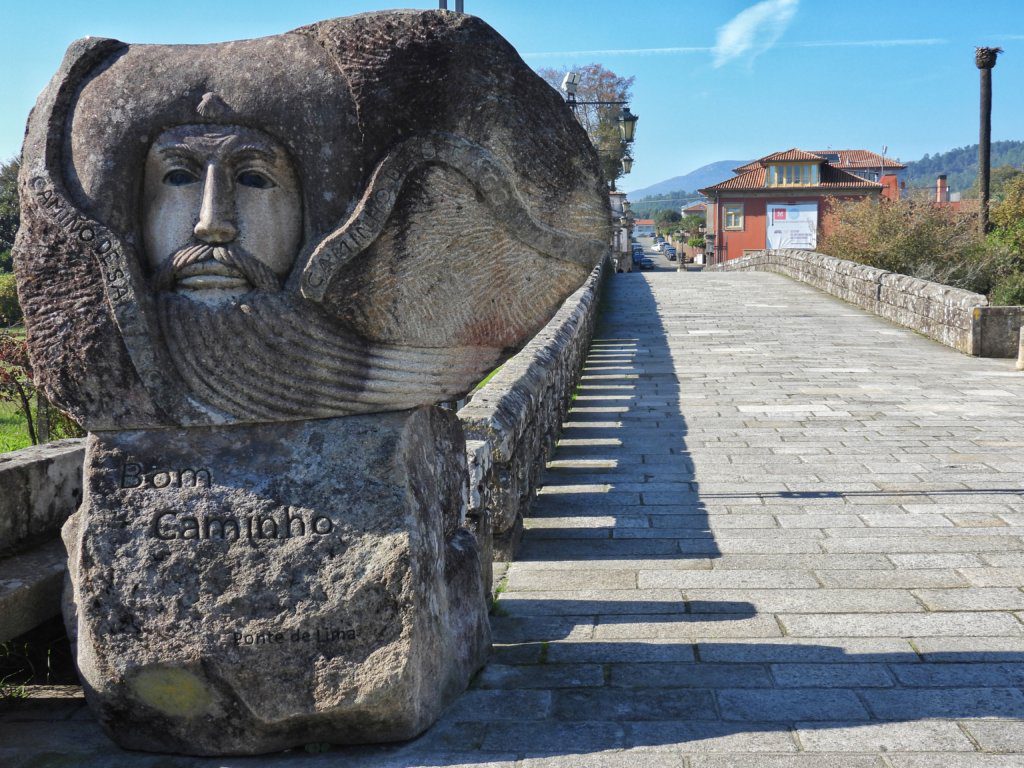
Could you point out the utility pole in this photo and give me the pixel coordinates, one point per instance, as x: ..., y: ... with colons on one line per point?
x: 985, y: 59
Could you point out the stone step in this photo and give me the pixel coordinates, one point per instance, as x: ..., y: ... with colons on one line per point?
x: 30, y: 588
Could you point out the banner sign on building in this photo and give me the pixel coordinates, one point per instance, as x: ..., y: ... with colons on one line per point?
x: 792, y: 226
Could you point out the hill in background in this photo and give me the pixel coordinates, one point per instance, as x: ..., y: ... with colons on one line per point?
x: 961, y: 164
x: 704, y: 176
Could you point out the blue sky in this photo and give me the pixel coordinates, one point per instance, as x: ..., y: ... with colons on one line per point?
x: 718, y: 79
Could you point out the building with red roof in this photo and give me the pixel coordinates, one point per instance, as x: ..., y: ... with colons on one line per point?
x: 643, y: 227
x: 780, y: 200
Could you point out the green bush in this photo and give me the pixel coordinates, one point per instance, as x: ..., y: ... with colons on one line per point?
x: 920, y: 239
x: 1009, y: 291
x: 10, y: 309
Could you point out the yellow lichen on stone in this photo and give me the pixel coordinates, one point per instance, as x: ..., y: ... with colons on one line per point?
x: 174, y: 692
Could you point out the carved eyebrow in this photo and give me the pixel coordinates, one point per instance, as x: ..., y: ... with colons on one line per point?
x: 178, y: 152
x: 247, y: 150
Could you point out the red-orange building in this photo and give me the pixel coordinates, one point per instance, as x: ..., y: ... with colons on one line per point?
x: 780, y: 201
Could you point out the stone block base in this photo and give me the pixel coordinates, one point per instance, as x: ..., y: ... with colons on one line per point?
x: 239, y: 590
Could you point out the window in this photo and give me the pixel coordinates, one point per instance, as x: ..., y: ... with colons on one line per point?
x: 733, y: 214
x: 793, y: 175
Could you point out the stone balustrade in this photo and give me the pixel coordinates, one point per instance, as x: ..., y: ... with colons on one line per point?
x: 954, y: 317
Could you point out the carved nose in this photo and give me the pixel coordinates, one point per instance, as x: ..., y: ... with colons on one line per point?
x: 217, y: 214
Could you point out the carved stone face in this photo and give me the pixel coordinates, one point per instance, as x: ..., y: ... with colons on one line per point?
x: 222, y: 212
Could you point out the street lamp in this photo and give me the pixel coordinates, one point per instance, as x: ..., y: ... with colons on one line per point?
x: 627, y: 124
x: 627, y: 163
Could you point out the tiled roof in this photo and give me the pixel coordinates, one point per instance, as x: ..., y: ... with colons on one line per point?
x: 644, y: 221
x: 836, y: 177
x: 752, y: 179
x: 830, y: 179
x: 848, y: 158
x: 789, y: 154
x: 860, y: 158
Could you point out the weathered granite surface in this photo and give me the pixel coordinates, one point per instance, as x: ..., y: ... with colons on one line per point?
x: 39, y: 487
x: 237, y: 590
x: 954, y: 317
x: 514, y: 420
x: 449, y: 203
x: 223, y: 249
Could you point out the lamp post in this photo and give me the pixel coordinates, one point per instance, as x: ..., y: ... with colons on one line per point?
x: 626, y: 120
x: 985, y: 60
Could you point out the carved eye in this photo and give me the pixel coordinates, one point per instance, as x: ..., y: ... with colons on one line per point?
x: 255, y: 180
x: 179, y: 177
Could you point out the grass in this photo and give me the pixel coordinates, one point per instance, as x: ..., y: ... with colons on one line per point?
x: 13, y: 433
x: 496, y: 608
x: 486, y: 378
x: 11, y: 691
x: 40, y: 657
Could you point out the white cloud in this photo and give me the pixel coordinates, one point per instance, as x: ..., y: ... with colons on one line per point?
x: 754, y: 30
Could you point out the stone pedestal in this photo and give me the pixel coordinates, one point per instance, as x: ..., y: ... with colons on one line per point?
x: 237, y: 590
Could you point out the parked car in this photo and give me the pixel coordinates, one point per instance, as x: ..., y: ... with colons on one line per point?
x: 670, y: 252
x: 638, y: 256
x: 645, y: 263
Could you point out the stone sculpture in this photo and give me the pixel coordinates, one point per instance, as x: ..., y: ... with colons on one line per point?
x: 250, y: 269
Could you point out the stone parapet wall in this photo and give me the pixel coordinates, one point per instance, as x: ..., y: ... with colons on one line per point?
x: 39, y: 488
x: 513, y: 422
x: 954, y: 317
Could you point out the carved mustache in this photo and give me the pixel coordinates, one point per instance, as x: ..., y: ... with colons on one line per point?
x: 260, y: 276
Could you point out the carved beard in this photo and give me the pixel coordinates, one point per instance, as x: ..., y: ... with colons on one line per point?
x: 260, y: 276
x: 272, y: 357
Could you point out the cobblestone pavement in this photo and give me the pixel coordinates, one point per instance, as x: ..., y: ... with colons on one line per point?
x: 778, y: 533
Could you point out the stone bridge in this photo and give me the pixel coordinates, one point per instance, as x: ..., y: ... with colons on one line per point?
x: 777, y: 531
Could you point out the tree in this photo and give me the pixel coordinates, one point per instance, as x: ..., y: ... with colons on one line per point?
x: 1008, y: 236
x: 601, y: 122
x: 917, y: 238
x: 16, y: 384
x: 667, y: 216
x: 691, y: 223
x: 1001, y: 176
x: 9, y: 210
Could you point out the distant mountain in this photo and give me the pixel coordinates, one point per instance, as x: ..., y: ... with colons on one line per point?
x: 961, y: 164
x: 705, y: 176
